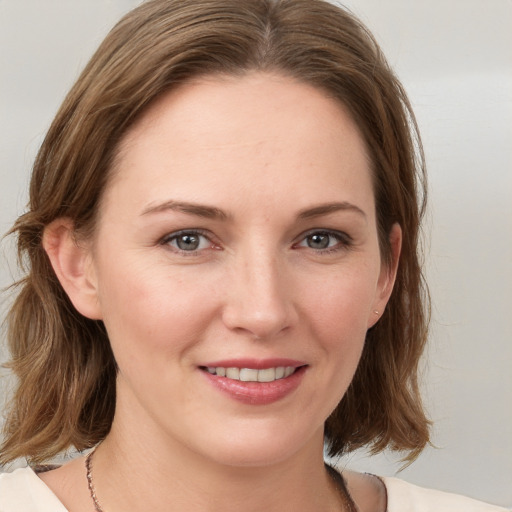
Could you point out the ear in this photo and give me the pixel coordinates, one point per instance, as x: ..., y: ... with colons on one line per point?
x: 72, y: 263
x: 387, y: 276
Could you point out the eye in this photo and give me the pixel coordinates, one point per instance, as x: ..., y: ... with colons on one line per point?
x: 188, y: 241
x: 326, y: 241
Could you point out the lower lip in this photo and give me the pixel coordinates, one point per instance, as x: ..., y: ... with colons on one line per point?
x: 257, y: 393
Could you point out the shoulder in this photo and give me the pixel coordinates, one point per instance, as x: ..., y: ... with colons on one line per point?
x: 405, y: 497
x: 23, y: 491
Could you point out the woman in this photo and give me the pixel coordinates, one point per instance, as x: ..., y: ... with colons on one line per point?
x: 224, y: 272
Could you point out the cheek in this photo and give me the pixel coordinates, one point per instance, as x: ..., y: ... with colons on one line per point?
x: 152, y: 312
x: 338, y: 312
x: 340, y: 303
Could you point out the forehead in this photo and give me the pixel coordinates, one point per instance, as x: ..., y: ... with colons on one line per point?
x: 258, y: 133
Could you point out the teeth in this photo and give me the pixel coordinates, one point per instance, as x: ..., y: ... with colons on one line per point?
x: 288, y: 371
x: 233, y: 373
x: 267, y: 375
x: 248, y: 375
x: 251, y: 374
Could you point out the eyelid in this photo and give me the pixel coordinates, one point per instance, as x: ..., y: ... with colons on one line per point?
x: 344, y: 239
x: 166, y: 239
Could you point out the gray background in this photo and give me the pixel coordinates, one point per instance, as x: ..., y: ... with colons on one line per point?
x: 455, y: 59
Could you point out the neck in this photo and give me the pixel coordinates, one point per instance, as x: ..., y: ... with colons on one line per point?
x: 138, y: 475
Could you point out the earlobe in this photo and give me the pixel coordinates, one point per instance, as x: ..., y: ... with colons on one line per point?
x: 72, y: 264
x: 387, y: 275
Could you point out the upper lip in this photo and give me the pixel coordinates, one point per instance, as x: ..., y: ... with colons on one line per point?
x: 254, y: 363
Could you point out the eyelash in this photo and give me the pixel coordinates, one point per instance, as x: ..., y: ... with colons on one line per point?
x: 168, y: 239
x: 344, y: 241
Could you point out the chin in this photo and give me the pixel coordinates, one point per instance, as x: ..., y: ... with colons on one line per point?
x: 263, y: 449
x: 252, y: 457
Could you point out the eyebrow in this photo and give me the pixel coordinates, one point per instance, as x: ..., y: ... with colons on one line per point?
x: 211, y: 212
x: 325, y: 209
x: 200, y: 210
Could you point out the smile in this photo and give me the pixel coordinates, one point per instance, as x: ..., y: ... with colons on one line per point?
x: 252, y: 374
x: 262, y: 384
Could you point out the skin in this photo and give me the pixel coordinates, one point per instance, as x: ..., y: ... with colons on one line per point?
x: 267, y: 154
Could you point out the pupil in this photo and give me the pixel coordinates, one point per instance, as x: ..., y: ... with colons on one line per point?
x: 188, y: 242
x: 318, y: 241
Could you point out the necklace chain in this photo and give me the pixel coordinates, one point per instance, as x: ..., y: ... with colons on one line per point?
x: 88, y: 467
x: 338, y: 479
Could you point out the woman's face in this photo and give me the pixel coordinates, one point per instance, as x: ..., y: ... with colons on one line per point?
x: 237, y: 240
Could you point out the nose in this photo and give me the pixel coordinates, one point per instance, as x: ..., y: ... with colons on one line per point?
x: 259, y: 301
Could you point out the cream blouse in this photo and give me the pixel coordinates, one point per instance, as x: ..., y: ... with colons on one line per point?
x: 23, y: 491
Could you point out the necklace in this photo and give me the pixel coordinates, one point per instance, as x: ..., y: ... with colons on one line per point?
x: 348, y: 502
x: 88, y: 467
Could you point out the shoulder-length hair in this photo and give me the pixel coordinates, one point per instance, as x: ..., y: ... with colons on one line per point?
x: 65, y: 367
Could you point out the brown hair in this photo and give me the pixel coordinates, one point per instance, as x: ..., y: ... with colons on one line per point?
x: 65, y: 367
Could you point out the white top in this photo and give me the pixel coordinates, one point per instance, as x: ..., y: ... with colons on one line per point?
x: 23, y: 491
x: 406, y: 497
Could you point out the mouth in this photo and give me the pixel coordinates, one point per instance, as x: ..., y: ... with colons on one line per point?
x: 255, y: 382
x: 252, y: 374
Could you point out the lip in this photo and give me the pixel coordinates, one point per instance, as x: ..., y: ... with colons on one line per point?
x: 256, y: 364
x: 256, y: 393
